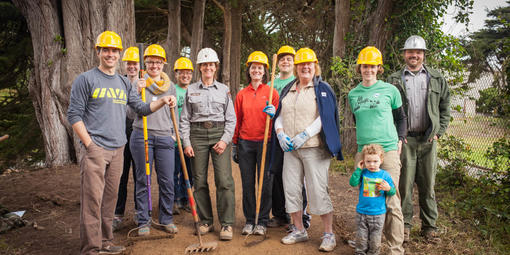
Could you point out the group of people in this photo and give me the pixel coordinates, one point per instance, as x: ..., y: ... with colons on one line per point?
x: 107, y: 111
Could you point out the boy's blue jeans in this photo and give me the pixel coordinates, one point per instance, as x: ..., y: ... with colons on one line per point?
x: 368, y: 236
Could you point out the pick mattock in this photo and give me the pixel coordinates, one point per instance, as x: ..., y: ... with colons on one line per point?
x: 147, y: 164
x: 201, y: 246
x: 263, y: 160
x: 4, y: 137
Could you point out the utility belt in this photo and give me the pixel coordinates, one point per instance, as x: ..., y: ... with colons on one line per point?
x: 208, y: 124
x: 415, y: 134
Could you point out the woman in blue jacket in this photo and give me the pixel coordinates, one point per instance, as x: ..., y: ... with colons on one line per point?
x: 308, y: 113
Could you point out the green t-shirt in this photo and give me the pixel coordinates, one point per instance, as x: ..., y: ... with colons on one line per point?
x: 181, y: 95
x: 279, y: 84
x: 372, y: 106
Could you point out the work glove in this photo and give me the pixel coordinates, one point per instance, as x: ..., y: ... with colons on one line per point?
x: 270, y: 110
x: 300, y: 139
x: 285, y: 142
x: 235, y: 156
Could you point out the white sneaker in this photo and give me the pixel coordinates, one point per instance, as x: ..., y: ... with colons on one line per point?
x: 328, y: 242
x: 295, y: 236
x: 259, y: 230
x: 247, y: 230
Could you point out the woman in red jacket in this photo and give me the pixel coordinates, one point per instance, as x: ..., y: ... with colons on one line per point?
x: 248, y: 140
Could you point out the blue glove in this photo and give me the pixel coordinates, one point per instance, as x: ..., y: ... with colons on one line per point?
x: 285, y: 142
x: 235, y: 156
x: 300, y: 139
x: 270, y: 110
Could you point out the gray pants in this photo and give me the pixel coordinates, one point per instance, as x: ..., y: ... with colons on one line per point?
x: 368, y: 238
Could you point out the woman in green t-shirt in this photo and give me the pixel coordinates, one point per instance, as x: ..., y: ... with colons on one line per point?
x: 380, y: 119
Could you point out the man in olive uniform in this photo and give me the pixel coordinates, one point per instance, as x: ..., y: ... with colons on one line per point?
x: 426, y: 100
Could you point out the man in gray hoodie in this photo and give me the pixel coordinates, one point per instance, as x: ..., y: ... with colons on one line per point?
x: 97, y: 113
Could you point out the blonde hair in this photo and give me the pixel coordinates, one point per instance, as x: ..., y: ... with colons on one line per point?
x: 373, y: 149
x: 380, y: 70
x: 317, y: 70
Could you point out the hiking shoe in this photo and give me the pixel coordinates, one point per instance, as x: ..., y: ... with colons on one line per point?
x: 226, y: 233
x: 144, y: 231
x: 111, y: 249
x: 431, y: 236
x: 276, y: 223
x: 204, y: 229
x: 171, y: 228
x: 295, y: 236
x: 259, y: 230
x: 248, y: 229
x: 117, y: 222
x: 328, y: 242
x: 407, y: 235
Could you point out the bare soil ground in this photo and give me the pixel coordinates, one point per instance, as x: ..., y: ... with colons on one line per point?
x: 51, y: 200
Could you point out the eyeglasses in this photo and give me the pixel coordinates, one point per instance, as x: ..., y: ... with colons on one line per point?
x: 185, y: 73
x: 151, y: 63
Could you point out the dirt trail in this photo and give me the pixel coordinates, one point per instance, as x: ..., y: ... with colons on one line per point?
x: 51, y: 199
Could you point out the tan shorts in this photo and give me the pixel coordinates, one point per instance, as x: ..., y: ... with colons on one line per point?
x: 310, y: 164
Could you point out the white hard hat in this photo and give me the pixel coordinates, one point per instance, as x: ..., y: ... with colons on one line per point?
x: 415, y: 42
x: 207, y: 55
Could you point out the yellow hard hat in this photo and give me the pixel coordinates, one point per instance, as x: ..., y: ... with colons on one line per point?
x: 257, y: 57
x: 183, y: 63
x: 286, y: 49
x: 305, y: 55
x: 156, y: 51
x: 370, y: 56
x: 131, y: 54
x: 109, y: 39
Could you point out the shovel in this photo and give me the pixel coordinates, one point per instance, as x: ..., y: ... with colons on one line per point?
x: 201, y: 246
x: 260, y: 182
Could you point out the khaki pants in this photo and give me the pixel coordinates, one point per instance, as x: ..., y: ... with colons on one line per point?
x: 100, y: 171
x: 394, y: 223
x: 310, y: 165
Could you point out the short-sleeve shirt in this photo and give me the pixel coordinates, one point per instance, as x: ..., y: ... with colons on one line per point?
x: 181, y: 96
x: 372, y: 106
x: 372, y: 201
x: 279, y: 84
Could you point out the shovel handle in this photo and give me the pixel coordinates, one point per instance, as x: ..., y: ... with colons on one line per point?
x: 4, y: 137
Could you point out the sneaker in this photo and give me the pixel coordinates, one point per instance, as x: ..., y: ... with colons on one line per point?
x: 259, y: 230
x: 226, y: 233
x: 117, y: 222
x: 111, y: 249
x: 144, y: 231
x: 276, y: 223
x: 248, y: 229
x: 205, y: 228
x: 295, y: 236
x: 407, y: 235
x: 171, y: 228
x: 328, y: 242
x: 291, y: 228
x: 431, y: 236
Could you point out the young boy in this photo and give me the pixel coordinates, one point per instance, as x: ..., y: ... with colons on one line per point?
x: 375, y: 185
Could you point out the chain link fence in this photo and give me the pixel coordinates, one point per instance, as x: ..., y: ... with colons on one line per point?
x: 476, y: 121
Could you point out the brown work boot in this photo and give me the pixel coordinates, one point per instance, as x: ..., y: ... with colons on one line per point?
x: 431, y: 236
x: 226, y: 233
x: 204, y: 229
x: 407, y: 235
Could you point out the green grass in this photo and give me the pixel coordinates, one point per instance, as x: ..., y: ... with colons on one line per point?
x: 480, y: 132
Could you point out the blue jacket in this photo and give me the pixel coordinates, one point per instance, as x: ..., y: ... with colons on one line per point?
x: 328, y: 111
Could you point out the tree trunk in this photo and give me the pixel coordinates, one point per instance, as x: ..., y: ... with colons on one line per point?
x: 379, y: 30
x: 227, y: 42
x: 342, y: 22
x: 63, y: 38
x: 173, y: 37
x: 198, y: 32
x: 235, y: 54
